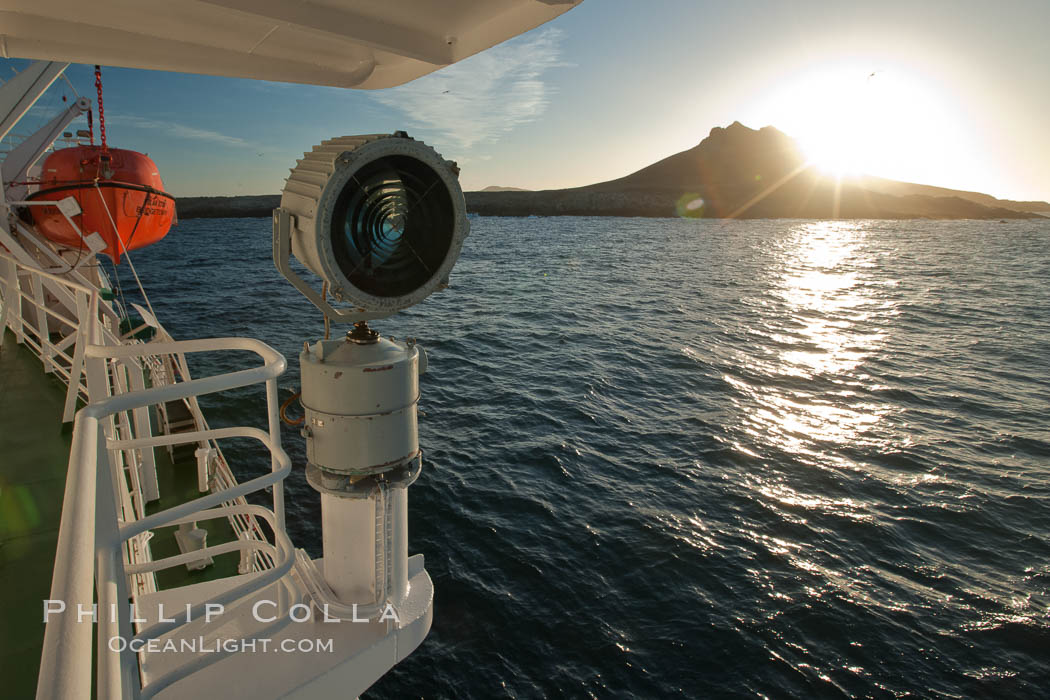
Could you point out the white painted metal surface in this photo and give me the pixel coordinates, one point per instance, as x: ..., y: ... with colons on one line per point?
x: 22, y: 91
x: 345, y: 43
x: 360, y: 403
x: 349, y: 535
x: 360, y: 652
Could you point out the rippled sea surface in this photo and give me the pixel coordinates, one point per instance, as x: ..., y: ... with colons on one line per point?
x: 700, y: 458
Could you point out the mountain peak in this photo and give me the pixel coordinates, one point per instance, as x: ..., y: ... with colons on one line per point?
x: 737, y: 135
x: 734, y: 129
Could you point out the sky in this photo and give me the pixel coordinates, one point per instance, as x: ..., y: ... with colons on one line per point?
x: 943, y: 92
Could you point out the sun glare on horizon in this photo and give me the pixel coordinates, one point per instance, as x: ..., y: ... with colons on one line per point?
x: 867, y: 117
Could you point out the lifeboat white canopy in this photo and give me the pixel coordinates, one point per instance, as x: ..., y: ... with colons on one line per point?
x: 344, y: 43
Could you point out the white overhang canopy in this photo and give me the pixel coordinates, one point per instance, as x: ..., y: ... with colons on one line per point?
x: 344, y: 43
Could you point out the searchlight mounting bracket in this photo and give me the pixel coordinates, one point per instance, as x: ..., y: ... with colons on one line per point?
x: 283, y: 221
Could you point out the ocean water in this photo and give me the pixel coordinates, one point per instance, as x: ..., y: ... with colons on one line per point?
x: 700, y: 458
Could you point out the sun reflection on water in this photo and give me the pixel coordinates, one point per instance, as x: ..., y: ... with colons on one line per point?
x: 803, y: 392
x: 820, y: 287
x: 820, y: 331
x: 832, y: 502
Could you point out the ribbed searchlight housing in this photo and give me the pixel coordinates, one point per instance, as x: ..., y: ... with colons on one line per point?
x: 379, y: 218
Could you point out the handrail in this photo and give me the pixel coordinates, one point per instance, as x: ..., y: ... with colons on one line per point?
x: 223, y: 478
x: 72, y: 580
x: 51, y: 276
x: 81, y: 301
x: 259, y: 581
x: 212, y: 551
x: 162, y: 518
x: 85, y: 533
x: 275, y: 365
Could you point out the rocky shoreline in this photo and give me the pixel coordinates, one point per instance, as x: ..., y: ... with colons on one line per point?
x: 736, y: 172
x: 639, y: 203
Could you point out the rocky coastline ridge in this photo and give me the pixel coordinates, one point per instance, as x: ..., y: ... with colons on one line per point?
x: 736, y: 172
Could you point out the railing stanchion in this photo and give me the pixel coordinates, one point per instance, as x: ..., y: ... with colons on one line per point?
x: 9, y: 269
x: 275, y: 437
x: 76, y: 369
x: 13, y: 302
x: 147, y: 472
x: 46, y: 351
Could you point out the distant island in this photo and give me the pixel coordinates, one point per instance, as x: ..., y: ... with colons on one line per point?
x: 736, y: 172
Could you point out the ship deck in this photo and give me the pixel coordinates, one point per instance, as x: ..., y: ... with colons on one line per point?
x: 34, y: 453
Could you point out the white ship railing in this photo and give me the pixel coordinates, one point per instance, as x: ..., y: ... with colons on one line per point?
x: 73, y: 304
x: 64, y: 307
x: 91, y: 539
x: 168, y: 369
x: 60, y: 319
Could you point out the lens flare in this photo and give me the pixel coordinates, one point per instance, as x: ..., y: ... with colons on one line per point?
x: 690, y: 206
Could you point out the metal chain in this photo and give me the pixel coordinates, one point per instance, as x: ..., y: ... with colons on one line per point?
x: 101, y: 113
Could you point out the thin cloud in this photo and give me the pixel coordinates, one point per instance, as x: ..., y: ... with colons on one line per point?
x: 179, y: 130
x: 484, y: 96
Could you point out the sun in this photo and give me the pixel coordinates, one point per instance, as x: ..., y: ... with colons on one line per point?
x: 866, y: 116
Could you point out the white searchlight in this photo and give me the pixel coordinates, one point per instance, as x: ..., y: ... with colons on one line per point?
x: 381, y: 220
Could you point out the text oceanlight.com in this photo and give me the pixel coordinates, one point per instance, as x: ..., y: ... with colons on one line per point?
x: 200, y: 645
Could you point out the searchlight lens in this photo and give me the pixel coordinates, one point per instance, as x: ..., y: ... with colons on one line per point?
x: 392, y: 226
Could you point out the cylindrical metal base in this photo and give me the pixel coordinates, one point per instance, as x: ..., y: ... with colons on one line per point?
x: 360, y: 403
x: 363, y: 453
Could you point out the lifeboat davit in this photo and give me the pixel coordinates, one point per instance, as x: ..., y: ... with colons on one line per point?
x: 120, y: 194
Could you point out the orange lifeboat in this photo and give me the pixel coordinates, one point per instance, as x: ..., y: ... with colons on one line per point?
x: 120, y: 194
